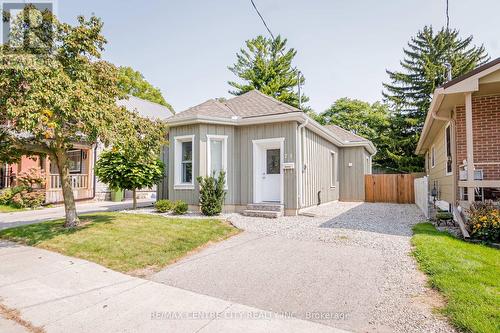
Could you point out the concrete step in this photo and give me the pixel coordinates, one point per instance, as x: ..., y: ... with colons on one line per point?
x: 266, y: 207
x: 262, y: 213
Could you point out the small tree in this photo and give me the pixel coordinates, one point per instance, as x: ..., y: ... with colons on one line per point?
x: 120, y: 172
x: 212, y: 193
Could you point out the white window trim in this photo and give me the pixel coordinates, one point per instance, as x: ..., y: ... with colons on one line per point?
x: 222, y: 138
x: 178, y: 184
x: 433, y: 156
x: 446, y: 152
x: 334, y: 170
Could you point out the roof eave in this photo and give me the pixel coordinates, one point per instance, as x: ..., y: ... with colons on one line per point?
x: 290, y: 116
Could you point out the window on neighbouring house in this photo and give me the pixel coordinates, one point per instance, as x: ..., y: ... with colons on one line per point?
x: 447, y: 139
x: 333, y: 171
x: 433, y: 157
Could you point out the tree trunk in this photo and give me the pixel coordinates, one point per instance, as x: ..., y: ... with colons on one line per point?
x: 134, y: 199
x: 67, y: 190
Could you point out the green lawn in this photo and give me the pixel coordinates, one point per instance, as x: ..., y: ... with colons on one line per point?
x: 467, y: 274
x: 9, y: 209
x: 124, y: 242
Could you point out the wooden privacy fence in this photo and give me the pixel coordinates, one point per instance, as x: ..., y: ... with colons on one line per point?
x: 389, y: 188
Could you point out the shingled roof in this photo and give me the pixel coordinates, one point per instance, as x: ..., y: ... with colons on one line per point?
x: 345, y: 135
x: 250, y: 104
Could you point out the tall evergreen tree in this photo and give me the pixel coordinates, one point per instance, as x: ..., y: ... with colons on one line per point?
x: 410, y: 90
x: 266, y: 65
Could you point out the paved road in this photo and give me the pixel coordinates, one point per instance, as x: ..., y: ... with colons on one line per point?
x: 63, y: 294
x: 9, y: 220
x: 348, y: 267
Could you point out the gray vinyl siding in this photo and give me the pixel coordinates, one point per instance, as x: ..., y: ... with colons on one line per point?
x: 352, y: 178
x: 162, y: 188
x: 229, y: 131
x: 317, y: 176
x: 188, y: 195
x: 239, y: 159
x: 244, y: 157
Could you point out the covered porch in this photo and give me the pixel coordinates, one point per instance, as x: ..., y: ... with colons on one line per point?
x: 81, y: 167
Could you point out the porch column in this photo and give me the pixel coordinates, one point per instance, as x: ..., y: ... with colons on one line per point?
x: 470, y: 145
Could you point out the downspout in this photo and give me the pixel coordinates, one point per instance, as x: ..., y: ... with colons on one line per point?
x: 300, y: 166
x: 93, y: 172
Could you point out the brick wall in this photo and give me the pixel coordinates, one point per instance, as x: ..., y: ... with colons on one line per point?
x: 486, y: 130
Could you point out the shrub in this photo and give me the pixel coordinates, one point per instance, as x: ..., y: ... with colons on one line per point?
x: 33, y: 179
x: 484, y: 221
x: 444, y: 216
x: 5, y: 196
x: 26, y: 199
x: 180, y: 207
x: 212, y: 193
x: 164, y: 206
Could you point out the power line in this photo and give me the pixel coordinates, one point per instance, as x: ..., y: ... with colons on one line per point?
x: 299, y: 73
x: 447, y: 17
x: 263, y: 21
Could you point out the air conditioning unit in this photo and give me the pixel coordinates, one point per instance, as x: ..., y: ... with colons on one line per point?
x: 463, y: 174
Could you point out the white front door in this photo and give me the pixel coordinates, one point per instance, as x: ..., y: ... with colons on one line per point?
x: 268, y: 170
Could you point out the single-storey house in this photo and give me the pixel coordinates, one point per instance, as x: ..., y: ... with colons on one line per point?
x: 82, y: 158
x: 461, y: 138
x: 275, y: 156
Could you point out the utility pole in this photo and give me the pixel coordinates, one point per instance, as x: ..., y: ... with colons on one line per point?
x: 298, y: 86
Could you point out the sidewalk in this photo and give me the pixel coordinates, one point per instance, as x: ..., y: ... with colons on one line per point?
x: 9, y: 220
x: 64, y: 294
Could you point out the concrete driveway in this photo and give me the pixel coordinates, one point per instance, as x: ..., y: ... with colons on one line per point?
x: 43, y: 291
x: 348, y: 267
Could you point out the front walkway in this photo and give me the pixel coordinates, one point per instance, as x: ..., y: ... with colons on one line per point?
x: 9, y: 220
x: 63, y: 294
x: 349, y: 267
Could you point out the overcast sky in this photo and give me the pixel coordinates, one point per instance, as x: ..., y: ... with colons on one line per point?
x: 343, y: 47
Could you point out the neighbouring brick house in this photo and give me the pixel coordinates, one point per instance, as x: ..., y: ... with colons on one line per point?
x: 461, y: 138
x: 82, y: 158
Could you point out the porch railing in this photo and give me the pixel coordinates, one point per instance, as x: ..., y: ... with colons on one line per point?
x: 77, y: 181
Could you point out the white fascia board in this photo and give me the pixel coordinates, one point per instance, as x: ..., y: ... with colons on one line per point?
x: 292, y: 116
x: 437, y: 99
x: 470, y: 84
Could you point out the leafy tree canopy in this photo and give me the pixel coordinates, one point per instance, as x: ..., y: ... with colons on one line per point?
x: 266, y: 65
x: 132, y: 82
x: 370, y: 121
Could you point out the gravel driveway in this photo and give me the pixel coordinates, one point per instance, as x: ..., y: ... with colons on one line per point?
x: 348, y: 267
